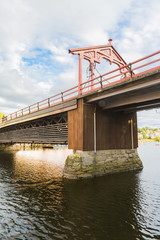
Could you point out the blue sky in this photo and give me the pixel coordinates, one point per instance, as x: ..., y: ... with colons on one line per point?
x: 36, y: 36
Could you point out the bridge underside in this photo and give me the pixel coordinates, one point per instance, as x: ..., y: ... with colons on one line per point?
x: 140, y: 93
x: 48, y: 130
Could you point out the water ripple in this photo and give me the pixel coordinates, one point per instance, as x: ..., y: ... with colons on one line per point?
x: 36, y: 203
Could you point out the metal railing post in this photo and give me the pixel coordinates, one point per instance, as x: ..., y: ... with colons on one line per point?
x: 130, y: 69
x: 62, y: 96
x: 95, y: 133
x: 48, y: 102
x: 132, y: 136
x: 101, y: 81
x: 79, y: 89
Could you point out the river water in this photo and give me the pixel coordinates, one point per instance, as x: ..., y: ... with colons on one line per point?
x: 35, y: 203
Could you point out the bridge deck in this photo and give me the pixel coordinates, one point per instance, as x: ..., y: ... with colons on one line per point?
x: 56, y: 109
x: 138, y: 93
x: 120, y: 88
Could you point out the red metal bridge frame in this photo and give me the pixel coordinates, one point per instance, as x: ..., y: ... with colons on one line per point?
x: 127, y: 71
x: 94, y: 55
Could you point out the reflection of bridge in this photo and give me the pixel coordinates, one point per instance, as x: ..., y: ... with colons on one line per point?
x: 99, y: 114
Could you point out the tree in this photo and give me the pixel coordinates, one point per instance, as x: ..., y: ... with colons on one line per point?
x: 1, y: 115
x: 144, y: 133
x: 157, y: 139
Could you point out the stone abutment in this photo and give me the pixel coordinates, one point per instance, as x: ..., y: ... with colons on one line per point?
x: 88, y: 164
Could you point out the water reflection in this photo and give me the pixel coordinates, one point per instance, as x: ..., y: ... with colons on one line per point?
x: 39, y: 166
x: 104, y: 208
x: 36, y: 203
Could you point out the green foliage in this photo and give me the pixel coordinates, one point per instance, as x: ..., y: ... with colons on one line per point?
x: 144, y: 133
x: 157, y: 139
x: 149, y: 133
x: 1, y: 115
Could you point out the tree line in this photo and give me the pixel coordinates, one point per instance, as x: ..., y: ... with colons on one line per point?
x: 149, y: 133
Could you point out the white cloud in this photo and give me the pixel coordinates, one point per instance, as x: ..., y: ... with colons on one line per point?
x: 140, y: 35
x: 149, y: 118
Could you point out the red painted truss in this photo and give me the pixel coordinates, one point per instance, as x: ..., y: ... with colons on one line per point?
x: 94, y: 55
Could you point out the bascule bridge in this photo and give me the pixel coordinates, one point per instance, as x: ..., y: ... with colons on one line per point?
x: 96, y: 118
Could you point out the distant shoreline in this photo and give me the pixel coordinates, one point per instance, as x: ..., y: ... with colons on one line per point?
x: 147, y: 140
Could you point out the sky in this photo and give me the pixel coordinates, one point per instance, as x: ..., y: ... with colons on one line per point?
x: 35, y: 36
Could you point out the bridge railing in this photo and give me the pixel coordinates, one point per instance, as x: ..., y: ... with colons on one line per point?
x: 46, y: 103
x: 136, y: 68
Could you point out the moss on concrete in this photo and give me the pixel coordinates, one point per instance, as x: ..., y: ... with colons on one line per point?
x: 87, y: 164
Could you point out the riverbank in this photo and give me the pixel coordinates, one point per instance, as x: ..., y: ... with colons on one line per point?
x: 147, y: 141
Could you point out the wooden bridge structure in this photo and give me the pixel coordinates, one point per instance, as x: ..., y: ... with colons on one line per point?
x: 97, y: 114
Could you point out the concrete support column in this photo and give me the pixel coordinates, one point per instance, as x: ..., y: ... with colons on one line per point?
x: 88, y: 164
x: 113, y: 150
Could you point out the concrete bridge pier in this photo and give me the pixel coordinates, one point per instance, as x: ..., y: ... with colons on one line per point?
x: 104, y: 142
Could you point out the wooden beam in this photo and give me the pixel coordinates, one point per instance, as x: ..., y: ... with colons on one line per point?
x: 54, y: 133
x: 138, y: 98
x: 125, y: 89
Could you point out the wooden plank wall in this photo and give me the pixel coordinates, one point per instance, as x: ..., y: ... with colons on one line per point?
x: 113, y: 130
x: 75, y: 127
x: 53, y: 134
x: 88, y: 127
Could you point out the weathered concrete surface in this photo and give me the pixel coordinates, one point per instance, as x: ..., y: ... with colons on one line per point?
x: 87, y: 164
